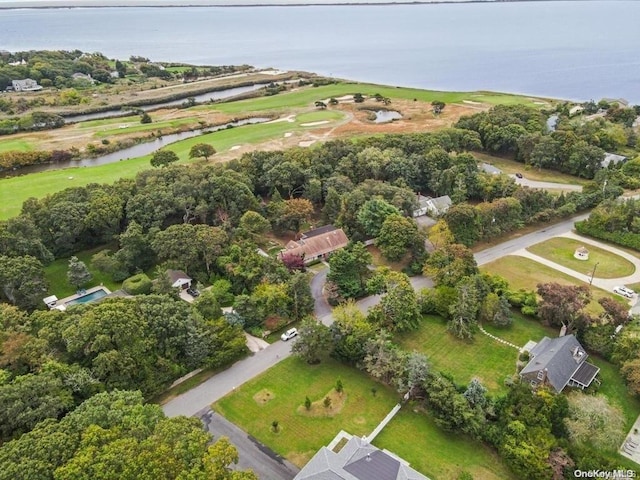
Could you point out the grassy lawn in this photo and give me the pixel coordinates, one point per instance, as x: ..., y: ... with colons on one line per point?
x: 319, y: 116
x: 16, y: 144
x: 522, y: 330
x: 136, y: 127
x: 510, y: 166
x: 560, y: 250
x: 438, y: 454
x: 483, y: 358
x: 56, y: 274
x: 306, y: 96
x: 525, y: 273
x: 614, y: 388
x: 279, y: 394
x: 15, y: 190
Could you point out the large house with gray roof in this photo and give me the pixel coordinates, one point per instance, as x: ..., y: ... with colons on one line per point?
x: 558, y: 363
x: 357, y: 460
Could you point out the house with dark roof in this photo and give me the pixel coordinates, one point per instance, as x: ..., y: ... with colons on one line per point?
x: 179, y: 279
x: 316, y: 244
x: 432, y: 206
x: 357, y: 460
x: 611, y: 158
x: 558, y: 363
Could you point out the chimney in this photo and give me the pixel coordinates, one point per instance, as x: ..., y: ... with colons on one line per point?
x: 368, y: 459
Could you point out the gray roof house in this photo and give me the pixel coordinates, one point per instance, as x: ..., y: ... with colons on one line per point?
x: 559, y: 362
x: 611, y: 158
x: 179, y: 279
x: 432, y: 206
x: 357, y: 460
x: 26, y: 85
x: 488, y: 168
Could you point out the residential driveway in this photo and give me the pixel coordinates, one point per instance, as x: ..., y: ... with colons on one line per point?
x: 320, y: 305
x: 267, y: 464
x: 525, y: 182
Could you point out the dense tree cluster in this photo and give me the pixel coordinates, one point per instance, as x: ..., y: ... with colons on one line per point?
x: 614, y: 221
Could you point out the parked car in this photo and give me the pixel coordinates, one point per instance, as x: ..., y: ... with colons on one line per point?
x: 193, y: 292
x: 519, y: 175
x: 624, y: 291
x: 292, y: 332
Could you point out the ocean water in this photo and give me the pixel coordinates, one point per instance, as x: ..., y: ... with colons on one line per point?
x: 566, y: 49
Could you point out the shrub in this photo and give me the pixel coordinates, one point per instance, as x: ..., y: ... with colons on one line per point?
x: 139, y: 284
x: 307, y: 403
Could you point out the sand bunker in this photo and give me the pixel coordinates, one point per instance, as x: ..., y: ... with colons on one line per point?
x: 306, y: 143
x: 313, y: 124
x: 287, y: 134
x: 235, y: 147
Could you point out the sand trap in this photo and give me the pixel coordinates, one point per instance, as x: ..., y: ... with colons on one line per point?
x: 472, y: 102
x: 273, y: 72
x: 235, y: 147
x: 287, y: 134
x: 290, y: 119
x: 313, y: 124
x: 306, y: 143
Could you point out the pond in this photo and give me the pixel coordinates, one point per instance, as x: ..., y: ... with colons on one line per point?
x: 135, y: 151
x: 201, y: 98
x: 384, y: 116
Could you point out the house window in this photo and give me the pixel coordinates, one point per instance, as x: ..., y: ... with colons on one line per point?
x: 540, y: 375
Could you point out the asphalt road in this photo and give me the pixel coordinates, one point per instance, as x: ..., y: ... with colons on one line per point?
x: 267, y: 464
x: 525, y: 182
x: 510, y: 246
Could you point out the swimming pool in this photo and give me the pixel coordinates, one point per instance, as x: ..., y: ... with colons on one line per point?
x: 89, y: 297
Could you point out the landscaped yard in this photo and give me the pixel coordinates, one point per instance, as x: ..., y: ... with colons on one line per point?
x: 560, y: 250
x: 438, y: 454
x: 56, y: 274
x: 279, y: 394
x: 482, y: 358
x: 525, y: 273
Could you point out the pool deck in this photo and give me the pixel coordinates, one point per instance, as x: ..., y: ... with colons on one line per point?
x: 64, y: 301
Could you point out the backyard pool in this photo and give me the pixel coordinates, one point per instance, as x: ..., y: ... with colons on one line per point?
x: 89, y: 297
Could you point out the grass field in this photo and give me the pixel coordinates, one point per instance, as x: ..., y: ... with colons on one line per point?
x: 560, y: 250
x: 482, y: 358
x: 15, y: 190
x: 304, y: 97
x: 529, y: 273
x: 510, y: 166
x: 279, y: 394
x: 438, y: 454
x: 16, y: 144
x: 56, y: 274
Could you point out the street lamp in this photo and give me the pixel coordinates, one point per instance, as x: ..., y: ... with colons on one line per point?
x: 593, y: 273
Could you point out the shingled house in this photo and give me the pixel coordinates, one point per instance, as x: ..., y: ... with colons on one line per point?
x: 317, y: 244
x: 357, y: 460
x: 559, y: 362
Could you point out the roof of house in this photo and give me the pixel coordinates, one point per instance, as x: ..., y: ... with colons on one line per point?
x: 357, y: 460
x: 488, y: 168
x: 610, y: 158
x: 175, y: 275
x: 442, y: 203
x: 318, y: 231
x: 560, y: 357
x: 318, y: 245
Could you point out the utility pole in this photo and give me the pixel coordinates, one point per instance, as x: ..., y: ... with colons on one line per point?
x: 593, y: 273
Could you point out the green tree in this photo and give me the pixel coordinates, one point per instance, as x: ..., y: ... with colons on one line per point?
x: 332, y: 205
x: 464, y: 312
x: 22, y: 281
x: 314, y: 341
x: 145, y: 118
x: 349, y: 270
x: 202, y: 150
x: 397, y: 235
x: 162, y: 158
x: 77, y: 273
x: 450, y: 264
x: 593, y: 421
x: 398, y: 308
x: 351, y: 331
x: 253, y: 226
x: 373, y: 214
x: 300, y: 294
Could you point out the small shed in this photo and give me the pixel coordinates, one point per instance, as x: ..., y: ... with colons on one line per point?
x: 179, y: 279
x: 50, y: 301
x: 581, y: 253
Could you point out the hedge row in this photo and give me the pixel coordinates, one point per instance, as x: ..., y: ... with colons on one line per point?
x: 15, y: 159
x: 626, y: 239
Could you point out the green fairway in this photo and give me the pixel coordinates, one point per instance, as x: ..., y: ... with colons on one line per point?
x: 135, y: 127
x: 482, y: 358
x: 440, y: 455
x: 601, y: 262
x: 15, y: 190
x: 8, y: 145
x: 279, y: 394
x: 305, y: 97
x: 56, y: 274
x: 525, y: 273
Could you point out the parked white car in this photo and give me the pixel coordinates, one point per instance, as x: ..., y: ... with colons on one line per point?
x: 292, y: 332
x: 624, y: 291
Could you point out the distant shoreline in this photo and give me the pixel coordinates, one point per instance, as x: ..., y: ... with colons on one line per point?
x: 67, y: 4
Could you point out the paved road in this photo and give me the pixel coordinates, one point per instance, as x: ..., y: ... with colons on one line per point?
x: 507, y: 248
x: 525, y: 182
x: 267, y: 464
x: 320, y: 305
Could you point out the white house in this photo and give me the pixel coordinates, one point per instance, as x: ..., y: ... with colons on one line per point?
x: 432, y: 206
x: 26, y: 85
